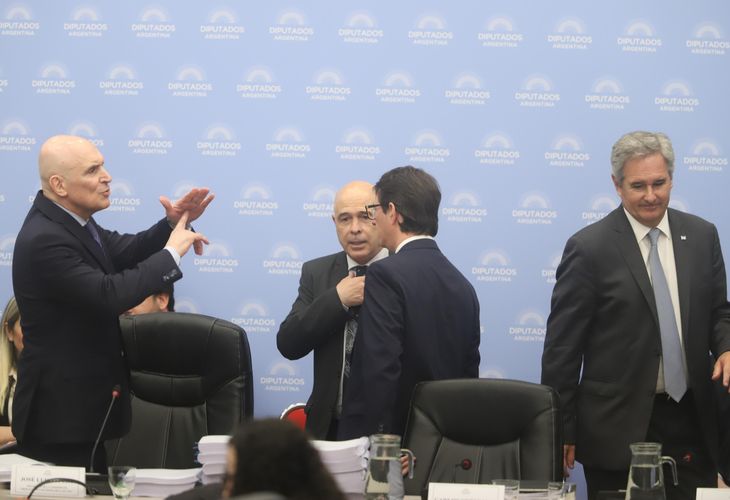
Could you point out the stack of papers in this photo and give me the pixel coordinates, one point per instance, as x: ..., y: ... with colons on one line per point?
x: 7, y: 462
x: 212, y: 456
x: 164, y: 482
x: 347, y: 461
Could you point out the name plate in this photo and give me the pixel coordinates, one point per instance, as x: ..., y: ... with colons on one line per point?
x: 455, y: 491
x: 713, y: 494
x: 24, y: 478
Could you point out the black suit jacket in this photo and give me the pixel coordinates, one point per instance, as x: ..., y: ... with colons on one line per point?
x: 419, y: 321
x: 603, y: 317
x: 70, y: 294
x: 316, y: 323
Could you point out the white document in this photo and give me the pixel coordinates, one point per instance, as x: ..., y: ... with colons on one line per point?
x: 7, y: 462
x: 713, y: 494
x: 24, y: 477
x: 167, y: 476
x: 454, y: 491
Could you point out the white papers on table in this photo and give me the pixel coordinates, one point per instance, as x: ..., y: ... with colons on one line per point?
x: 7, y: 462
x: 713, y: 494
x: 212, y: 451
x: 164, y: 482
x: 346, y: 461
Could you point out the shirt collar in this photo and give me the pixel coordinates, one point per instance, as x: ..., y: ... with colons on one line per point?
x: 413, y: 238
x: 77, y: 218
x: 383, y: 253
x: 640, y: 230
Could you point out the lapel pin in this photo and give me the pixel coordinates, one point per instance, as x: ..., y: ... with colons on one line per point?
x: 682, y: 237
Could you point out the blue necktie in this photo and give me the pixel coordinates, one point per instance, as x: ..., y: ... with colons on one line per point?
x: 91, y: 228
x: 675, y: 382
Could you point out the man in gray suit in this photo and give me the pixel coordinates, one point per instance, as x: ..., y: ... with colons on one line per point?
x: 639, y: 303
x: 325, y: 310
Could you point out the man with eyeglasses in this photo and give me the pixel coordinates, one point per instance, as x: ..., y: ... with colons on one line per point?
x: 420, y: 316
x: 324, y: 316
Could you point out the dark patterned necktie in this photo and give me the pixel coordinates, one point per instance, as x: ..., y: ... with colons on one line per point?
x: 351, y: 326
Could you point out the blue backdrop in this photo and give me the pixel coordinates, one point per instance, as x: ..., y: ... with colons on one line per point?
x: 512, y: 105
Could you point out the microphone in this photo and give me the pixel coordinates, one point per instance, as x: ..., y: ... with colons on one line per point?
x: 464, y: 464
x: 116, y: 392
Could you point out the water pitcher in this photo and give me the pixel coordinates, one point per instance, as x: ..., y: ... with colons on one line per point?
x: 385, y: 480
x: 646, y: 478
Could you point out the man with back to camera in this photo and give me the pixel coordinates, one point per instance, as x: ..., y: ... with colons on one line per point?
x: 639, y: 303
x: 162, y: 301
x: 420, y: 315
x: 72, y: 280
x: 325, y: 310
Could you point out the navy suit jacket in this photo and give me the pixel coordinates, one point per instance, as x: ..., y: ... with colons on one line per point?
x: 602, y: 346
x: 70, y: 294
x: 316, y: 323
x: 419, y: 321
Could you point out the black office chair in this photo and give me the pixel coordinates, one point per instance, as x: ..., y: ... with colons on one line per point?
x: 476, y: 430
x: 190, y: 377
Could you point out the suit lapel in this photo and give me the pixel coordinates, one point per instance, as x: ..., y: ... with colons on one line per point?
x: 682, y: 265
x: 629, y: 248
x: 71, y: 225
x: 339, y: 269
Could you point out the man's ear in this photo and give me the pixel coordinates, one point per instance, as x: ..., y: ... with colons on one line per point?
x: 162, y: 299
x: 58, y: 185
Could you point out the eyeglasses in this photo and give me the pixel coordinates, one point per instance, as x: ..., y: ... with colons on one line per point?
x: 370, y: 210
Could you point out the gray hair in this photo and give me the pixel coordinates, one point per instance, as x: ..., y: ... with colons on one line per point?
x: 640, y: 144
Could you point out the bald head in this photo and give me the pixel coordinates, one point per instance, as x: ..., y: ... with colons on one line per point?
x: 357, y: 234
x: 72, y: 174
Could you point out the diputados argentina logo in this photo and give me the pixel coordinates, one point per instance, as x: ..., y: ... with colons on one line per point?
x: 676, y: 97
x: 3, y: 84
x: 464, y: 207
x: 256, y: 201
x: 497, y: 149
x: 291, y: 26
x: 534, y: 209
x: 430, y: 30
x: 607, y: 95
x: 284, y: 260
x: 328, y: 85
x: 357, y: 144
x: 121, y: 80
x: 254, y: 318
x: 259, y: 83
x: 282, y: 378
x: 7, y: 245
x: 19, y: 22
x: 500, y: 33
x: 190, y: 82
x: 427, y: 147
x: 494, y: 267
x: 217, y: 258
x: 705, y: 157
x: 639, y: 37
x: 549, y: 273
x: 15, y: 137
x: 537, y: 92
x: 530, y: 327
x: 570, y: 34
x: 321, y: 203
x: 153, y: 23
x: 53, y: 81
x: 218, y: 141
x: 150, y: 140
x: 122, y: 198
x: 222, y: 25
x: 600, y: 207
x: 467, y: 91
x: 288, y: 143
x: 708, y: 41
x: 398, y: 88
x: 360, y: 28
x: 85, y: 23
x: 567, y: 152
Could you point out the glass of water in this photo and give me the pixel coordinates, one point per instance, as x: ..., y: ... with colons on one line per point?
x: 121, y: 480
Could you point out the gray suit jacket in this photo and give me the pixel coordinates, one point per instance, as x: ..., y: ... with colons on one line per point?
x: 603, y: 318
x: 316, y: 323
